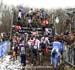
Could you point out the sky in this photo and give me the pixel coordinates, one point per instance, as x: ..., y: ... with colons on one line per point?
x: 48, y: 4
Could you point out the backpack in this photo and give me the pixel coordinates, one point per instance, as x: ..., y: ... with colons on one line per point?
x: 53, y: 53
x: 22, y: 50
x: 43, y: 46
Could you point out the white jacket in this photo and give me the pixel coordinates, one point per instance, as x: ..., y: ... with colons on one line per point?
x: 37, y: 44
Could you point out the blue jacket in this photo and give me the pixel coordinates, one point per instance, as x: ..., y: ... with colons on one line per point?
x: 57, y: 44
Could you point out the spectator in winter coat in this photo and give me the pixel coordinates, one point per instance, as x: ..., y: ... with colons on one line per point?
x: 58, y: 48
x: 22, y: 52
x: 54, y: 56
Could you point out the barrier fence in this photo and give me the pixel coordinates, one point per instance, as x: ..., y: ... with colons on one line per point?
x: 69, y: 54
x: 3, y: 48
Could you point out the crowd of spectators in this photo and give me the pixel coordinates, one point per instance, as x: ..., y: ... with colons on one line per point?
x: 34, y: 18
